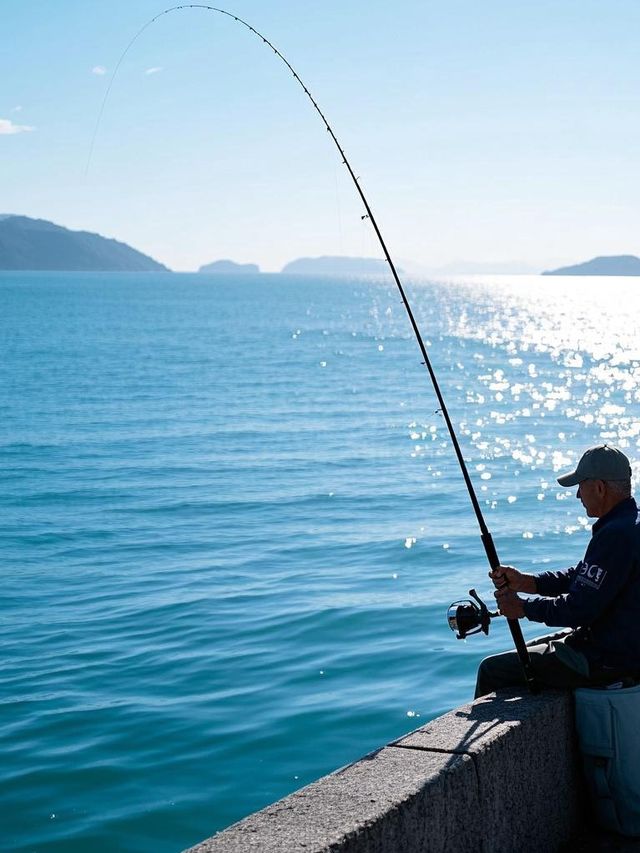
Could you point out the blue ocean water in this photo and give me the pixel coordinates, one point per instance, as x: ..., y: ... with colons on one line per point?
x: 233, y: 522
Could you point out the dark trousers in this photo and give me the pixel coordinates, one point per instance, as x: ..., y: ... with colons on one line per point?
x: 505, y: 670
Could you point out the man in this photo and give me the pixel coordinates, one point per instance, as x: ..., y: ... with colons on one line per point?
x: 599, y: 598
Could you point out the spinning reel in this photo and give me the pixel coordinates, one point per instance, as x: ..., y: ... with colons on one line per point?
x: 468, y: 617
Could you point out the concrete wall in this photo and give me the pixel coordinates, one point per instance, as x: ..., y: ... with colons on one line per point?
x: 494, y: 776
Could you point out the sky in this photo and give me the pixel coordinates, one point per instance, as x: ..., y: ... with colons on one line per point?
x: 499, y: 134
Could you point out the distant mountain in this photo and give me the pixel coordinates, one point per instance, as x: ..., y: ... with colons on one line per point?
x: 35, y: 244
x: 611, y: 265
x: 328, y: 265
x: 230, y: 267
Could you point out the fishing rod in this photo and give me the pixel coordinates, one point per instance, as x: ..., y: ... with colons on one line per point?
x: 464, y: 617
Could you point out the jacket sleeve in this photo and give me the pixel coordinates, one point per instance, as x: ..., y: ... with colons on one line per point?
x: 595, y: 583
x: 554, y: 583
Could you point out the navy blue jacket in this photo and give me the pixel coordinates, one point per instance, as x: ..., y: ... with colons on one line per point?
x: 601, y: 595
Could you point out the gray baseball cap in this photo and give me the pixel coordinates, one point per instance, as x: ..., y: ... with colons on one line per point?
x: 598, y: 463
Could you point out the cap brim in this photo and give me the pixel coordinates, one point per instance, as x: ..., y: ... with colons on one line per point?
x: 570, y: 479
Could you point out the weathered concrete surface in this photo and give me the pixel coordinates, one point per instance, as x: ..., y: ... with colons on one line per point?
x: 394, y: 800
x: 499, y: 775
x: 525, y: 753
x: 526, y: 758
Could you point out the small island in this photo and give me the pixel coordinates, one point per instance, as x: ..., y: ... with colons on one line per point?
x: 36, y: 244
x: 229, y: 268
x: 603, y: 265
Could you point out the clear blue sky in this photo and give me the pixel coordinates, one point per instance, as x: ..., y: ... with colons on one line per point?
x: 487, y: 131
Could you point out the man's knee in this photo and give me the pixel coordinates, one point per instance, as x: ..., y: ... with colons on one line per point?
x: 485, y: 680
x: 496, y: 671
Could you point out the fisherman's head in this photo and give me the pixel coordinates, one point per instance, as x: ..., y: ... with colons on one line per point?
x: 603, y: 478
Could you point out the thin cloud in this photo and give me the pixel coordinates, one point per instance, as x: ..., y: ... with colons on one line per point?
x: 100, y: 70
x: 7, y: 127
x: 154, y: 70
x: 17, y: 109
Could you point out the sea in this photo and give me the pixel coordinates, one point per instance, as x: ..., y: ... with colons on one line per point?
x: 233, y: 522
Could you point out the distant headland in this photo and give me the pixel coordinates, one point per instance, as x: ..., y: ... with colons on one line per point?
x: 36, y: 244
x: 607, y: 265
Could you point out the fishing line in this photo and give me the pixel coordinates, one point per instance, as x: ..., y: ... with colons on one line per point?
x: 338, y: 210
x: 485, y: 535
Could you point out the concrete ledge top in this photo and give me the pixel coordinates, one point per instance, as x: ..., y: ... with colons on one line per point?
x: 473, y: 728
